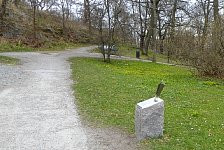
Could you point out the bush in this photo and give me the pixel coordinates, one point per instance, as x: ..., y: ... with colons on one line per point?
x: 209, y: 63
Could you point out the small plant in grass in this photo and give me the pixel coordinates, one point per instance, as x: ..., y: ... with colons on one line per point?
x: 210, y: 83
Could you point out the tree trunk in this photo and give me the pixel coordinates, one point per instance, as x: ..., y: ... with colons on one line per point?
x: 150, y: 31
x: 217, y: 26
x: 2, y: 15
x: 205, y: 28
x: 141, y: 44
x: 109, y: 30
x: 161, y: 36
x: 154, y: 20
x: 172, y: 31
x: 3, y: 9
x: 147, y: 40
x: 63, y: 18
x: 151, y: 34
x: 101, y: 38
x: 34, y: 18
x: 87, y: 14
x: 216, y: 10
x: 173, y: 20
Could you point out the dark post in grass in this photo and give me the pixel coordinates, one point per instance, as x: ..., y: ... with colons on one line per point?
x: 138, y: 53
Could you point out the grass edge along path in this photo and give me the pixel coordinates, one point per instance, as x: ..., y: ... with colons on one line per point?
x: 54, y: 46
x: 8, y: 60
x: 108, y: 93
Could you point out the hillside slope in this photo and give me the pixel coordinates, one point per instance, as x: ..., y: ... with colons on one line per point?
x: 18, y: 30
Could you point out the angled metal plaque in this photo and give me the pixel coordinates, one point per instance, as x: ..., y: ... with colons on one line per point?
x: 159, y: 90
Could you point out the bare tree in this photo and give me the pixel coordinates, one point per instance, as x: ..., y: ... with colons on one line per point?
x: 98, y: 15
x: 206, y: 11
x: 140, y: 15
x: 2, y: 14
x: 154, y: 27
x: 112, y: 9
x: 109, y: 17
x: 216, y: 28
x: 63, y: 15
x: 87, y: 14
x: 46, y: 4
x: 65, y: 6
x: 34, y: 7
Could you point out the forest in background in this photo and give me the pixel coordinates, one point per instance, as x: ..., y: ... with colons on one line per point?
x: 190, y: 31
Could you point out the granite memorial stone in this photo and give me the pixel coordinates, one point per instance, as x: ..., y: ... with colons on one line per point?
x: 149, y: 117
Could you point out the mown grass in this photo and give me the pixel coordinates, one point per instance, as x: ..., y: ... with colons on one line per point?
x: 8, y: 60
x: 108, y: 93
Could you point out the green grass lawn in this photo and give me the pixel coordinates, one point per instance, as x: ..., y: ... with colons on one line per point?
x: 8, y: 60
x: 194, y: 114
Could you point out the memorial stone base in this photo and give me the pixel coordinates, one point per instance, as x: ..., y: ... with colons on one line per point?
x: 149, y: 119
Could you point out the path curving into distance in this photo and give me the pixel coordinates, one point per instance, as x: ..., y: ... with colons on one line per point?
x: 37, y: 110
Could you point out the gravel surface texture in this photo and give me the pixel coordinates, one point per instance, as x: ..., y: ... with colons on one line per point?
x: 37, y: 109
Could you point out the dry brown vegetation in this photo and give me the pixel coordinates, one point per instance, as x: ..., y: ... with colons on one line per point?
x: 17, y: 28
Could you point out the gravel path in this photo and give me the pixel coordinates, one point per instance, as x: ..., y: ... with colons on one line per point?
x: 37, y: 110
